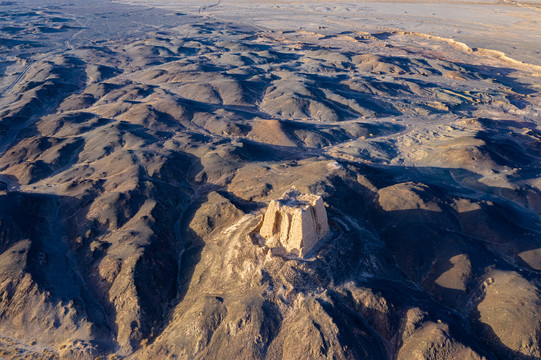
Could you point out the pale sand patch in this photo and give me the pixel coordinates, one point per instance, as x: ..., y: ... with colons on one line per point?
x: 511, y: 27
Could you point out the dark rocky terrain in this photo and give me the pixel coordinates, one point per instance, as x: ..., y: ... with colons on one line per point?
x: 132, y: 171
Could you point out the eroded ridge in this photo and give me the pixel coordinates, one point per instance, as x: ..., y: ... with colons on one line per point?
x: 298, y: 221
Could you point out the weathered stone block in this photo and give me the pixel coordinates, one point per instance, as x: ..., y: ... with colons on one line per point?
x: 297, y: 220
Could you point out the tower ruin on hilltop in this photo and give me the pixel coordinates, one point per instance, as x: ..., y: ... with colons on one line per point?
x: 297, y: 220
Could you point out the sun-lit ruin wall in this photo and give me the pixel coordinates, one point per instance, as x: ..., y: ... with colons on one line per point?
x: 298, y: 220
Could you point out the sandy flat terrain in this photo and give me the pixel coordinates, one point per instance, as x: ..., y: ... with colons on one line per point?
x: 513, y: 27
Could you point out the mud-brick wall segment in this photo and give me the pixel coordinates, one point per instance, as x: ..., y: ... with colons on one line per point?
x: 298, y: 220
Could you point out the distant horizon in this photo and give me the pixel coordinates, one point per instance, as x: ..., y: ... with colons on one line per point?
x: 496, y: 25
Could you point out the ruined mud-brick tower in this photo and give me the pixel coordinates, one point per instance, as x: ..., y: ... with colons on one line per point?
x: 298, y: 220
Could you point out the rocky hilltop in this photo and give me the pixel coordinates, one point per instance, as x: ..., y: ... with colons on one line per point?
x: 134, y: 173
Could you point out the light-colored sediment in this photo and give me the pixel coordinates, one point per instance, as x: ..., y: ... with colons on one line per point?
x: 509, y: 27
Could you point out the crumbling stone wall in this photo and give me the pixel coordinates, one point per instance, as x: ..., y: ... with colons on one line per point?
x: 297, y: 220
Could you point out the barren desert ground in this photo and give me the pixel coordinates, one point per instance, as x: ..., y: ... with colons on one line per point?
x: 270, y: 180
